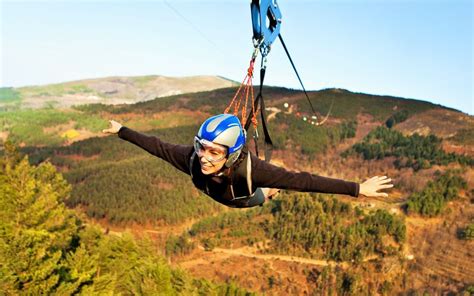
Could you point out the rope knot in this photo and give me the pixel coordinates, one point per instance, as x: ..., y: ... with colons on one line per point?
x: 250, y: 72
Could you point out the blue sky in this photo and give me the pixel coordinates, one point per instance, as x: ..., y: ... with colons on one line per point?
x: 409, y: 48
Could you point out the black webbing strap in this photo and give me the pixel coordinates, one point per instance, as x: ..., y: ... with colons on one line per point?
x: 268, y: 140
x: 259, y: 99
x: 294, y: 68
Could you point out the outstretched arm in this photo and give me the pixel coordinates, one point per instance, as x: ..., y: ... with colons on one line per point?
x: 267, y: 175
x: 177, y: 155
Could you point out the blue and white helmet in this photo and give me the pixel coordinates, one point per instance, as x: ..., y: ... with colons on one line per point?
x: 224, y: 129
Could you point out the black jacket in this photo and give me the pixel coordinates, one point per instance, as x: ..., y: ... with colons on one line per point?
x: 263, y: 174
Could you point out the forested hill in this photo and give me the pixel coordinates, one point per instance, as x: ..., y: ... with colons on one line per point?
x: 59, y: 126
x: 417, y: 240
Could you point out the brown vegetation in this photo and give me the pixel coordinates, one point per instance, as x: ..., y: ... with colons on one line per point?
x: 442, y: 261
x: 443, y: 123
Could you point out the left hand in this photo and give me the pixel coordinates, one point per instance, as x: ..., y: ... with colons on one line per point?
x: 370, y: 187
x: 114, y: 127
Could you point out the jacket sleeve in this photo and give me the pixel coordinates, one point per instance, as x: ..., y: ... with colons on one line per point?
x: 176, y: 155
x: 265, y: 174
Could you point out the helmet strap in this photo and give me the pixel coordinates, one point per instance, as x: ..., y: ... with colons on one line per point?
x: 232, y: 159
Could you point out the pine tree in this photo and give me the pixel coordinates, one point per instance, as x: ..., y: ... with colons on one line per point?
x: 36, y: 228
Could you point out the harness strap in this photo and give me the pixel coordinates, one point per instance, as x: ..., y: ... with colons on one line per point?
x: 191, y: 162
x: 259, y: 99
x: 246, y: 170
x: 248, y: 173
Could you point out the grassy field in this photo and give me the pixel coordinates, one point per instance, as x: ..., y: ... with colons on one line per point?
x: 32, y: 126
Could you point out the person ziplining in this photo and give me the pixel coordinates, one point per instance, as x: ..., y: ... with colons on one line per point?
x: 220, y: 163
x: 221, y: 166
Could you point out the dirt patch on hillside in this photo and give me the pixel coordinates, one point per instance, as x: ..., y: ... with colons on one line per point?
x: 442, y: 261
x: 252, y: 252
x: 451, y: 147
x: 444, y: 124
x: 441, y: 122
x: 275, y: 277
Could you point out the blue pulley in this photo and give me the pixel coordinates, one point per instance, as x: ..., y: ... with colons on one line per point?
x: 266, y: 21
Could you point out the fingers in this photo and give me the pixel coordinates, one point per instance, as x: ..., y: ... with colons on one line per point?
x: 386, y: 181
x: 375, y: 184
x: 383, y: 185
x: 377, y: 178
x: 380, y: 179
x: 110, y: 129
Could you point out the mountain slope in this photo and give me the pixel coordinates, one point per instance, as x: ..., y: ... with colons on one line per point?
x: 110, y: 90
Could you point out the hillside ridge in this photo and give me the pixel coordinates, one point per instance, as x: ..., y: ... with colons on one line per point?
x: 110, y: 90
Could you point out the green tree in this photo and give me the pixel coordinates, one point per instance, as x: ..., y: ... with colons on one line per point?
x: 36, y: 229
x: 432, y: 200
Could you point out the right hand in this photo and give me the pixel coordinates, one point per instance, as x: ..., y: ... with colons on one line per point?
x: 371, y: 187
x: 114, y: 127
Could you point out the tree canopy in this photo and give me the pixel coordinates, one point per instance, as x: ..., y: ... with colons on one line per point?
x: 46, y: 249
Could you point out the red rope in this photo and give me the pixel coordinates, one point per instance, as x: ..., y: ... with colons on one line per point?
x: 247, y: 93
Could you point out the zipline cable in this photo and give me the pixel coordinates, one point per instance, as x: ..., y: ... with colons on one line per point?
x: 191, y: 24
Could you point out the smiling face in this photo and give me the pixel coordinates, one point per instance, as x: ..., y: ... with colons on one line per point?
x: 212, y: 156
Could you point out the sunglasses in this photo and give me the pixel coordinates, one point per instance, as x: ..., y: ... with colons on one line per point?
x: 209, y: 150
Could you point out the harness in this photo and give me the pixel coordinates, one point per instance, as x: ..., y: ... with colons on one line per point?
x: 242, y: 168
